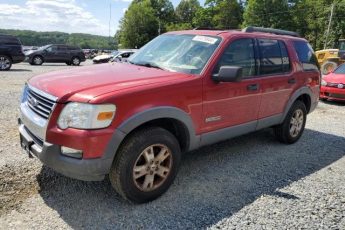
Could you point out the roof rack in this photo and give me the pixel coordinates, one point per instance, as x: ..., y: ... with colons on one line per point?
x: 206, y: 28
x: 251, y: 29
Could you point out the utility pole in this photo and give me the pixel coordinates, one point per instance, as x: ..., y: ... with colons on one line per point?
x: 109, y: 20
x: 329, y: 25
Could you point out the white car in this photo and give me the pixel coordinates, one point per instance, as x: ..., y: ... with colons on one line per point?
x: 116, y: 56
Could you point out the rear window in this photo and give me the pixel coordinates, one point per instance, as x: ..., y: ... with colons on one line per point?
x: 274, y: 58
x: 306, y: 55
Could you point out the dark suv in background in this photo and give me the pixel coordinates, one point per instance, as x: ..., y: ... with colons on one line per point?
x: 10, y: 51
x: 71, y: 55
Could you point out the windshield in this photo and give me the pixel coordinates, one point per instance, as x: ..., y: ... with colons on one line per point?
x: 340, y: 69
x: 177, y: 53
x: 115, y: 53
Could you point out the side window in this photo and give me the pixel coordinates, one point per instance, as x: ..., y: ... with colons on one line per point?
x: 274, y: 58
x: 306, y: 55
x: 125, y: 55
x: 239, y: 53
x: 51, y: 49
x: 62, y: 48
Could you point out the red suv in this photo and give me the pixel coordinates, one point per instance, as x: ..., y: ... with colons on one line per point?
x: 181, y: 91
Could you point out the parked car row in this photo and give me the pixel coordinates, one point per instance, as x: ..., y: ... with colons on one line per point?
x: 12, y: 52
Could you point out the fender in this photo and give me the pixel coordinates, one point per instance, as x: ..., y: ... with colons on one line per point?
x: 162, y: 112
x: 145, y: 116
x: 295, y: 95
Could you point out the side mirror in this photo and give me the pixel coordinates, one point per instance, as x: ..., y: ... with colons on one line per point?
x: 228, y: 74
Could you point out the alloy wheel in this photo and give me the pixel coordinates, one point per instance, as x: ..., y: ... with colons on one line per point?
x: 296, y: 123
x: 5, y: 63
x: 152, y: 167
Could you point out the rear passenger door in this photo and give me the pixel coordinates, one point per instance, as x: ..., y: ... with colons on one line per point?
x: 277, y: 81
x: 62, y: 54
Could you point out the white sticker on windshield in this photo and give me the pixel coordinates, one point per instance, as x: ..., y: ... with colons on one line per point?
x: 205, y: 39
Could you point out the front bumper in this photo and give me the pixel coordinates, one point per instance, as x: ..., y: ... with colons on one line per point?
x: 332, y: 93
x: 50, y: 155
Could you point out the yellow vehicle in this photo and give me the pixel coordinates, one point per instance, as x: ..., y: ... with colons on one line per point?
x: 329, y: 59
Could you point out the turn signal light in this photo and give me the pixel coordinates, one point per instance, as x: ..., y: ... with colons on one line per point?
x: 105, y: 116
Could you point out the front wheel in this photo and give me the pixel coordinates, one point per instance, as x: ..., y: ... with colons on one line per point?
x: 5, y: 62
x: 293, y: 125
x: 37, y: 60
x: 146, y: 165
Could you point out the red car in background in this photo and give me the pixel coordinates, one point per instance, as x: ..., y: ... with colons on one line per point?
x: 333, y: 85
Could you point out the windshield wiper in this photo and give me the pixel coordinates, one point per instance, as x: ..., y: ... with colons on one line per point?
x: 148, y: 64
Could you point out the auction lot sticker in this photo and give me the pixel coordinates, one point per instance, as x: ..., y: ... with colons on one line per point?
x: 205, y: 39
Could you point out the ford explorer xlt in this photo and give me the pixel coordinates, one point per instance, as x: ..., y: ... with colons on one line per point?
x: 181, y: 91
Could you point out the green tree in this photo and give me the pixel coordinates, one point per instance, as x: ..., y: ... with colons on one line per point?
x: 139, y: 25
x: 221, y: 14
x: 268, y: 13
x: 186, y: 10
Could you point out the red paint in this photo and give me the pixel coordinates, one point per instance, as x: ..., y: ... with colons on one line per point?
x: 326, y: 91
x: 134, y: 89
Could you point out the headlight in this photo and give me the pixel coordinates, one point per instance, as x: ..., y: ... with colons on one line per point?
x: 323, y: 83
x: 86, y: 116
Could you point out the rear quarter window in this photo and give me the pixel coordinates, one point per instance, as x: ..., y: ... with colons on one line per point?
x: 306, y: 56
x: 8, y: 40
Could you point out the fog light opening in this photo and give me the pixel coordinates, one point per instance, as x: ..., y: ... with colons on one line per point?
x: 75, y: 153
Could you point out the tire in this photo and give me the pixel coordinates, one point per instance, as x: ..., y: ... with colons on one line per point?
x: 75, y: 61
x: 136, y: 151
x: 5, y: 63
x: 283, y: 132
x: 328, y: 66
x: 37, y: 60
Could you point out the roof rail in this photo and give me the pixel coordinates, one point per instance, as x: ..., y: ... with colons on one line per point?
x: 251, y: 29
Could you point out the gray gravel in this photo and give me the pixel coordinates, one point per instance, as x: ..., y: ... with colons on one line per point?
x: 250, y: 182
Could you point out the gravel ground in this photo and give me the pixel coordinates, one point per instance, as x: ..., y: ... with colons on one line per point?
x: 250, y: 182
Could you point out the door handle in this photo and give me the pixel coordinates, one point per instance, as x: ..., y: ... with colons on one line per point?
x: 253, y: 87
x: 292, y: 81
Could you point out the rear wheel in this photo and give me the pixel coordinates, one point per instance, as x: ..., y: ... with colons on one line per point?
x: 5, y: 62
x: 76, y: 61
x: 146, y: 165
x: 293, y: 125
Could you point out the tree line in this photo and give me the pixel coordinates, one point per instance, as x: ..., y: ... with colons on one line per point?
x: 84, y: 41
x: 145, y: 19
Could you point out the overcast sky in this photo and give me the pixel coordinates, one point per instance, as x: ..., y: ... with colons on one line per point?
x: 72, y: 16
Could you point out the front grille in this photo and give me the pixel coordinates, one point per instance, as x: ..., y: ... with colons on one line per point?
x: 39, y: 104
x: 336, y: 95
x: 35, y: 138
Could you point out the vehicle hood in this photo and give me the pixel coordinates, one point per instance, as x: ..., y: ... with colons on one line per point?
x: 103, y: 56
x: 335, y: 78
x: 85, y: 83
x: 29, y: 52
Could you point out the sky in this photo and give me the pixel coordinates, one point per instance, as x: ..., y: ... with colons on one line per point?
x: 71, y: 16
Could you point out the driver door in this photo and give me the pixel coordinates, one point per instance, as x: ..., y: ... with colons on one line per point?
x: 228, y: 104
